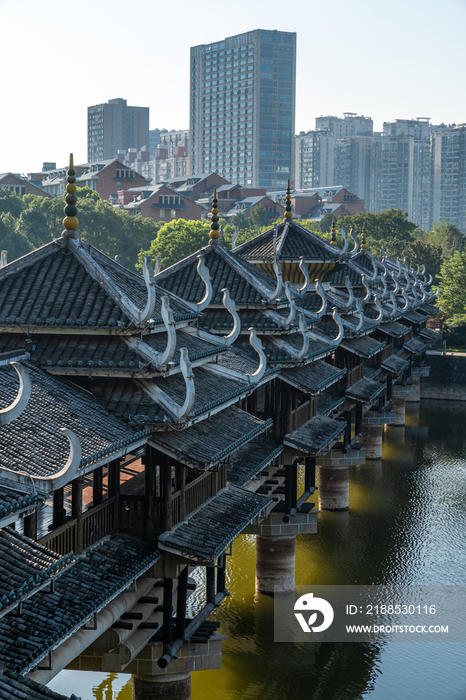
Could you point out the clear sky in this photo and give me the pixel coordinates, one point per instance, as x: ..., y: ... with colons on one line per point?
x: 385, y: 59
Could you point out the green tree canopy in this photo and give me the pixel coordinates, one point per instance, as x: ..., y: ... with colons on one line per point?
x: 452, y: 298
x: 447, y: 236
x: 258, y: 216
x: 176, y: 240
x: 11, y: 240
x: 240, y: 220
x: 390, y: 229
x: 421, y: 252
x: 10, y: 202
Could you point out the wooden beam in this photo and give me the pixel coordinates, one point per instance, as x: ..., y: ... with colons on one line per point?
x: 77, y: 511
x: 58, y: 517
x: 167, y: 613
x: 97, y: 486
x: 182, y: 597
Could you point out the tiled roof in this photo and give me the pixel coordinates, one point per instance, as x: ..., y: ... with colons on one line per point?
x: 365, y: 390
x: 394, y: 364
x: 245, y: 282
x: 414, y: 346
x: 314, y: 377
x: 52, y: 287
x: 371, y: 372
x: 363, y: 347
x: 14, y: 686
x: 26, y: 567
x: 428, y: 333
x: 127, y: 399
x: 394, y: 329
x: 251, y: 459
x: 339, y: 277
x: 209, y: 531
x: 293, y: 241
x: 329, y: 401
x: 48, y: 618
x: 34, y: 443
x: 208, y: 442
x: 220, y: 320
x: 414, y: 317
x: 429, y: 309
x: 315, y: 435
x: 12, y: 501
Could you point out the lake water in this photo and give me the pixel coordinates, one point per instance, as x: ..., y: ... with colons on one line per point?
x: 406, y: 524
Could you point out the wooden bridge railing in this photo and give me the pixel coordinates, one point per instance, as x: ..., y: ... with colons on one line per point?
x: 74, y: 536
x: 194, y: 494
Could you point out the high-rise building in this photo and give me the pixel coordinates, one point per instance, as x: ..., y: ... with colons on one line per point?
x: 448, y: 154
x: 315, y: 159
x: 353, y: 164
x: 352, y: 124
x: 242, y: 108
x: 113, y: 127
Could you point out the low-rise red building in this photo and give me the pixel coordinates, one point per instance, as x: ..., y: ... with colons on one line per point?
x: 20, y: 185
x: 159, y: 203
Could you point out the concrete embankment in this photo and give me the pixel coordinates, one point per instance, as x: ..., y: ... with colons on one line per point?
x: 447, y: 378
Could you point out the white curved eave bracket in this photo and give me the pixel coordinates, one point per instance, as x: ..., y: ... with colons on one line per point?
x: 4, y: 258
x: 51, y: 483
x: 359, y: 314
x: 349, y: 287
x: 341, y: 332
x: 368, y: 296
x: 289, y: 295
x: 356, y: 243
x: 375, y: 274
x: 235, y: 238
x: 257, y: 345
x: 230, y: 306
x: 148, y: 275
x: 169, y: 321
x: 279, y: 277
x: 406, y: 300
x: 203, y: 272
x: 345, y: 240
x: 188, y: 376
x: 321, y: 292
x: 7, y: 415
x: 379, y: 308
x: 307, y: 281
x: 306, y: 338
x: 158, y: 265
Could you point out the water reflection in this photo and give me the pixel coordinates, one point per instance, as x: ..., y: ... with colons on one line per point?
x: 406, y: 524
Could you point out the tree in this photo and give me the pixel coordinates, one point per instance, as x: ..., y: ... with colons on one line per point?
x: 258, y: 216
x: 447, y: 236
x: 10, y: 202
x: 240, y: 220
x: 176, y: 240
x: 389, y: 228
x: 452, y: 298
x: 325, y: 224
x: 421, y: 252
x: 14, y: 242
x: 87, y: 193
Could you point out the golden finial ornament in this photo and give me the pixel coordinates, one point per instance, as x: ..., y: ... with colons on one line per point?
x: 288, y: 213
x: 214, y: 225
x: 70, y: 222
x: 363, y: 237
x: 334, y: 232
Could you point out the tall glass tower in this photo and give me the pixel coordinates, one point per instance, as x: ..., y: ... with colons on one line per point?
x: 242, y: 108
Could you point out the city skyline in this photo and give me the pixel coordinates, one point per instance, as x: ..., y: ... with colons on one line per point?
x: 403, y: 63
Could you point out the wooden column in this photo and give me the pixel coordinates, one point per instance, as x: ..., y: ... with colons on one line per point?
x: 181, y: 603
x: 221, y: 574
x: 165, y: 474
x: 114, y: 491
x: 97, y: 486
x: 182, y: 491
x: 149, y: 494
x: 167, y: 614
x: 310, y: 473
x: 358, y: 421
x: 77, y: 512
x: 58, y: 509
x: 210, y: 584
x: 30, y: 525
x: 389, y: 387
x: 348, y: 427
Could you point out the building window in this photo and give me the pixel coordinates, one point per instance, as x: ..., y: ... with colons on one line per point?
x: 173, y: 213
x: 162, y: 213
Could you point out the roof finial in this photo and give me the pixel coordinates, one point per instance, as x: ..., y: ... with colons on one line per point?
x: 334, y: 232
x: 288, y: 213
x: 363, y: 237
x: 70, y: 222
x: 214, y: 227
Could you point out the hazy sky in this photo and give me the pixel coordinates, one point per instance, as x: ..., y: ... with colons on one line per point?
x: 385, y: 59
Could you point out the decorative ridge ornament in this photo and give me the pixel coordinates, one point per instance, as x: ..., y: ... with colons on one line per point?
x: 148, y: 274
x: 356, y: 243
x: 288, y: 212
x: 334, y: 232
x: 363, y: 237
x: 214, y: 226
x: 204, y: 274
x: 235, y: 238
x: 344, y: 235
x: 304, y: 269
x: 257, y: 345
x: 230, y: 306
x: 70, y: 222
x: 4, y: 258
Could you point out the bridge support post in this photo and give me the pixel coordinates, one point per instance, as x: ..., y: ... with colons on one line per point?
x: 399, y: 405
x: 275, y: 562
x: 415, y: 395
x: 171, y: 686
x: 334, y: 488
x: 372, y: 440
